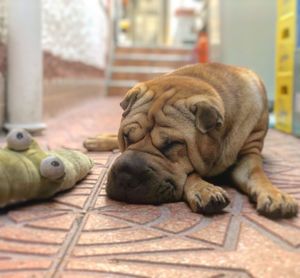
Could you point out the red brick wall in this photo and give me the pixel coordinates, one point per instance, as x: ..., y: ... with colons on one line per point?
x: 55, y: 67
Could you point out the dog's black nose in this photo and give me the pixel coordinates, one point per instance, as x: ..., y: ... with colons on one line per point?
x: 126, y: 174
x: 129, y: 172
x: 132, y: 179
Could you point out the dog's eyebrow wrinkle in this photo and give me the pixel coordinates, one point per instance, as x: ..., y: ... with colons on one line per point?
x: 146, y: 151
x: 171, y: 115
x: 160, y: 102
x: 131, y: 127
x: 144, y: 99
x: 165, y: 126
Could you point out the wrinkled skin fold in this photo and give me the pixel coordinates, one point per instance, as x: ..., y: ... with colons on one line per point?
x: 194, y: 123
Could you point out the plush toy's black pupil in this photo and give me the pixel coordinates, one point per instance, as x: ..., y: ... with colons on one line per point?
x: 20, y: 135
x: 55, y: 163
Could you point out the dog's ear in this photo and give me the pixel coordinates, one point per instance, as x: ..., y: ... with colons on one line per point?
x: 207, y: 116
x: 129, y: 101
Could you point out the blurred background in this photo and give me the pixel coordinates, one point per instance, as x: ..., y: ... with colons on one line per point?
x: 58, y: 54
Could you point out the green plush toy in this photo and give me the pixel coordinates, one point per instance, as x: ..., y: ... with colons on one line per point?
x: 27, y: 172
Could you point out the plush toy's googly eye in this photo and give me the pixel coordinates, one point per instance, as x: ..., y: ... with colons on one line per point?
x: 18, y: 140
x: 52, y: 168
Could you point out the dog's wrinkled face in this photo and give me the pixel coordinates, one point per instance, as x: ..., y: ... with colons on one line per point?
x: 163, y: 139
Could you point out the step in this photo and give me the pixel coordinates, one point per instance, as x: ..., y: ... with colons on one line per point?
x: 150, y: 50
x: 125, y: 77
x: 143, y: 69
x: 154, y: 57
x: 139, y: 77
x: 153, y: 60
x: 136, y: 64
x: 170, y: 64
x: 117, y: 91
x: 138, y: 73
x: 120, y: 87
x: 122, y: 83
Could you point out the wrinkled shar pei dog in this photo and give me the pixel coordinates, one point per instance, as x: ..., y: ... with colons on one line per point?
x: 179, y: 130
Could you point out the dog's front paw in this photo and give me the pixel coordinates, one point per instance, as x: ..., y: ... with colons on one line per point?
x: 208, y: 200
x: 276, y: 205
x: 105, y: 142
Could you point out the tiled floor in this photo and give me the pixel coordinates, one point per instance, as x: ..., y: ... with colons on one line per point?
x: 81, y: 233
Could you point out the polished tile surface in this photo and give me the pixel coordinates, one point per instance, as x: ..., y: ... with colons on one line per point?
x: 81, y: 233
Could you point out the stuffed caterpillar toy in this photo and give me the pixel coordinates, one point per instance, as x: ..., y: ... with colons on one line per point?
x: 29, y: 173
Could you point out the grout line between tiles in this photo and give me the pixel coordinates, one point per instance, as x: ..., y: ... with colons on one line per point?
x: 75, y: 232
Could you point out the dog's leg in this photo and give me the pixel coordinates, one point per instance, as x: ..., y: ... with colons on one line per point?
x: 103, y: 142
x: 249, y: 177
x: 204, y: 197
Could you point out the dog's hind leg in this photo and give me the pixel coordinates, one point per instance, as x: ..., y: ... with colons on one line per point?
x: 103, y: 142
x: 248, y: 175
x: 204, y: 197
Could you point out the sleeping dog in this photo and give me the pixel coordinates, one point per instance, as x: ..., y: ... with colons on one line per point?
x: 187, y: 126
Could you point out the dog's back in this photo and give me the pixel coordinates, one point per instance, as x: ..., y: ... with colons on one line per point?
x: 246, y: 108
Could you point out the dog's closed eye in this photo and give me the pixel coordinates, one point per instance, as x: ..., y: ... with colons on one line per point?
x: 128, y: 133
x: 169, y: 145
x: 127, y: 139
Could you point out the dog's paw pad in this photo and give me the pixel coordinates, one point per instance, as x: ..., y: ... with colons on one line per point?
x: 209, y: 200
x: 277, y: 205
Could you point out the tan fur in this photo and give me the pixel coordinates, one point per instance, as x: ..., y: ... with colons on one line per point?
x: 218, y: 115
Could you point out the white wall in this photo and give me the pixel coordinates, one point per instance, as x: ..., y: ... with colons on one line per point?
x: 247, y: 37
x: 75, y: 30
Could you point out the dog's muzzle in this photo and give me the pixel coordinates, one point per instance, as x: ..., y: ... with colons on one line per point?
x: 135, y: 180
